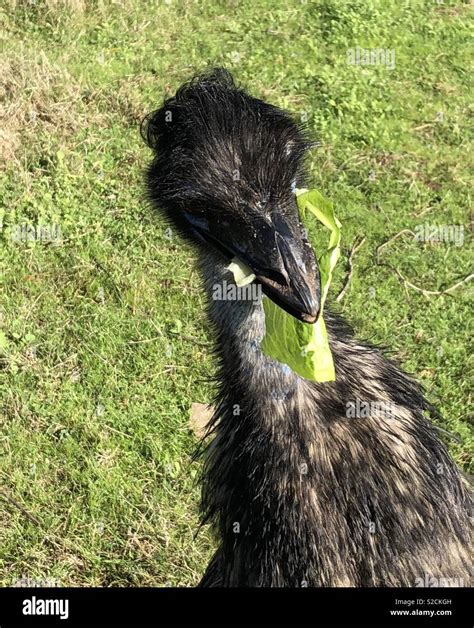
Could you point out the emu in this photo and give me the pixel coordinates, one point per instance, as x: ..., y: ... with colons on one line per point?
x: 300, y: 491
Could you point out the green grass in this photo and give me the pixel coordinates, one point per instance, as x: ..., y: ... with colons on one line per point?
x: 95, y: 386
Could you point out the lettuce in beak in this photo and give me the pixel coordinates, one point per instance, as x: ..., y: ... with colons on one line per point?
x: 304, y: 347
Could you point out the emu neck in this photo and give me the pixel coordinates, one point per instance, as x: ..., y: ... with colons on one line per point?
x: 239, y: 319
x: 303, y: 494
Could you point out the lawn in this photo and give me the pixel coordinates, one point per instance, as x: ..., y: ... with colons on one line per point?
x: 103, y: 341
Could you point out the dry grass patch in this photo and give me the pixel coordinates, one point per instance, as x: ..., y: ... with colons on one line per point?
x: 38, y: 100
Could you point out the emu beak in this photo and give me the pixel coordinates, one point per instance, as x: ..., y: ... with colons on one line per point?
x: 288, y: 271
x: 277, y: 251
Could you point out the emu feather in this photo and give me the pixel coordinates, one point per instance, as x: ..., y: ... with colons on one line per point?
x: 299, y: 489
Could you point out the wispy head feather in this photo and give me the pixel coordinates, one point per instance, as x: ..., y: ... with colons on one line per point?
x: 217, y: 147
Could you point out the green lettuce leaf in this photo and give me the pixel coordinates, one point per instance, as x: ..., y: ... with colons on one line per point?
x: 302, y: 346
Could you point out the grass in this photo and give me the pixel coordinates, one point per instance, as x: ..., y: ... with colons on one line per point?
x: 97, y: 485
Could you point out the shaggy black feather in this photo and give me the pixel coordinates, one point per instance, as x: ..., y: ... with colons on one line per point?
x: 217, y: 147
x: 300, y: 492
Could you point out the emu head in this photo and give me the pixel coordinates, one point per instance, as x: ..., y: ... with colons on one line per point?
x: 224, y: 172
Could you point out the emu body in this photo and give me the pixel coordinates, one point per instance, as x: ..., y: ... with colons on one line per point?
x: 300, y: 491
x: 322, y: 497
